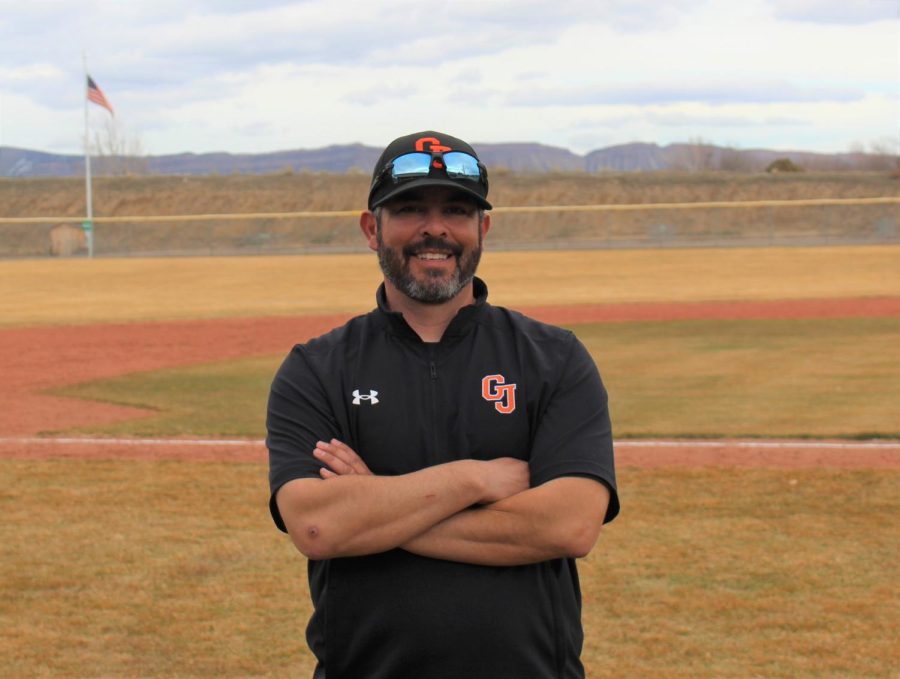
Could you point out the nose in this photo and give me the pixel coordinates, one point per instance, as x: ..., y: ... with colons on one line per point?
x: 434, y: 223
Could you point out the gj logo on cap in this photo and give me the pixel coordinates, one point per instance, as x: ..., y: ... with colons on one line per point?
x: 428, y: 158
x: 432, y: 144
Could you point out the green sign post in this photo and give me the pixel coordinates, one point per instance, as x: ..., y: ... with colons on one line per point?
x: 88, y: 227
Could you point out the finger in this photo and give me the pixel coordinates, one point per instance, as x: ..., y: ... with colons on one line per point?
x: 342, y: 453
x: 350, y: 456
x: 341, y: 458
x: 335, y: 463
x: 345, y: 454
x: 326, y: 473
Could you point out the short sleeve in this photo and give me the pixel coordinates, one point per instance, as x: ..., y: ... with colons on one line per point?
x: 574, y: 434
x: 298, y: 415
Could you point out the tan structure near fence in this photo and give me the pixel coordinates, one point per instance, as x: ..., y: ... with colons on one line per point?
x: 67, y: 240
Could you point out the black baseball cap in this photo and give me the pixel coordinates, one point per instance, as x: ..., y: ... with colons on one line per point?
x: 386, y: 186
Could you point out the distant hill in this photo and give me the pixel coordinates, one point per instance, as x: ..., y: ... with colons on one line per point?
x: 519, y: 157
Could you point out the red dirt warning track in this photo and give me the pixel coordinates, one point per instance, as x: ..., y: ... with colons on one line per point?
x: 36, y: 359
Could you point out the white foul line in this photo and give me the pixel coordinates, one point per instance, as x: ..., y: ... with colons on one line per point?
x: 631, y: 443
x: 849, y: 445
x: 129, y: 441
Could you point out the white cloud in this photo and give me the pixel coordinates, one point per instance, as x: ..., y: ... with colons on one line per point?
x: 30, y: 73
x: 231, y: 75
x: 712, y: 93
x: 836, y: 11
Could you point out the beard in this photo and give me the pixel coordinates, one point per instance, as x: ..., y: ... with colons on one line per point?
x: 434, y: 288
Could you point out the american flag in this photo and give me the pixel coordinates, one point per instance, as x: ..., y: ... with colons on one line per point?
x: 95, y: 94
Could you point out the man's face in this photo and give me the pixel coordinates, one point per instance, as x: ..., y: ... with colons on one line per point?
x: 429, y: 243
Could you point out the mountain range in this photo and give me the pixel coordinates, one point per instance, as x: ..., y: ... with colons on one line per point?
x: 517, y: 157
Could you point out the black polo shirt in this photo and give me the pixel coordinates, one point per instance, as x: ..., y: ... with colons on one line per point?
x: 498, y: 384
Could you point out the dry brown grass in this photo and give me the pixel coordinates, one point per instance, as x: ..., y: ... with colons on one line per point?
x: 311, y: 191
x: 147, y: 196
x: 726, y: 573
x: 152, y: 569
x: 146, y: 570
x: 82, y: 291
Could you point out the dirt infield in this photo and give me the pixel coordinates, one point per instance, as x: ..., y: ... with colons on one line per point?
x: 33, y: 360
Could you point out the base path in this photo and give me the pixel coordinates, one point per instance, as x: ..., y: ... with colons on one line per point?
x: 644, y: 454
x: 35, y: 360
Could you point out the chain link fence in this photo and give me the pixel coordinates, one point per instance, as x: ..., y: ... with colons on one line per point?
x: 737, y: 224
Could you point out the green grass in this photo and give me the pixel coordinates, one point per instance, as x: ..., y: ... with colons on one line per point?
x: 795, y: 378
x: 798, y: 378
x: 152, y: 569
x: 219, y: 399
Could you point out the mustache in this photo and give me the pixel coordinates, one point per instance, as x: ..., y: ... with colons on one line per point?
x: 434, y: 244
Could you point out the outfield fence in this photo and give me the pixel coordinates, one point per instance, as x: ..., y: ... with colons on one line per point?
x: 821, y: 221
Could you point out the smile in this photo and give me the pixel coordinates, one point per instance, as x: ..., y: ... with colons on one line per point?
x: 433, y: 256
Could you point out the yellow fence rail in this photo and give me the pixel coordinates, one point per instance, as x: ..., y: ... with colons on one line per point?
x: 609, y: 207
x: 762, y: 223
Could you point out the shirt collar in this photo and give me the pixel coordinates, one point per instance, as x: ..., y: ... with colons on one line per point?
x: 458, y: 326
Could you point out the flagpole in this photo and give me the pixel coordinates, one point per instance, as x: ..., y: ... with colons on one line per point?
x: 88, y: 224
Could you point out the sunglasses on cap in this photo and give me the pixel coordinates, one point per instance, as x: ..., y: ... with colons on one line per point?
x: 456, y: 164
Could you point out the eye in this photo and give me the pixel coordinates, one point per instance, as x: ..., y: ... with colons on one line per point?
x: 408, y: 209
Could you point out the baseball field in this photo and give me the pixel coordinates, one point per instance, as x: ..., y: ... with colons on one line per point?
x: 755, y: 396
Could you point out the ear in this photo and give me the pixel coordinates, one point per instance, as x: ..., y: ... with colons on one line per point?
x: 369, y: 227
x: 485, y: 224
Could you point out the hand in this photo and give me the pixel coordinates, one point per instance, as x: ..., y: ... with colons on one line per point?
x: 501, y: 477
x: 505, y: 476
x: 341, y: 460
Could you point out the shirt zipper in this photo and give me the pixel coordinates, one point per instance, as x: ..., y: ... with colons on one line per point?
x: 435, y: 453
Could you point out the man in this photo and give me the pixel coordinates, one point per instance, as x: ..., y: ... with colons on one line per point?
x: 441, y: 461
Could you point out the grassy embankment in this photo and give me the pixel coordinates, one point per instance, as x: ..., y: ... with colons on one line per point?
x: 143, y: 196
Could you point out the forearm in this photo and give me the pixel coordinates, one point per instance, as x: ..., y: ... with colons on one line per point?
x: 354, y: 515
x: 484, y: 536
x: 561, y: 518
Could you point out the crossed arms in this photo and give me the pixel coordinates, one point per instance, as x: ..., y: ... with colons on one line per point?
x: 473, y: 511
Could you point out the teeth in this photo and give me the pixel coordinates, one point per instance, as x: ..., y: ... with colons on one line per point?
x: 433, y: 255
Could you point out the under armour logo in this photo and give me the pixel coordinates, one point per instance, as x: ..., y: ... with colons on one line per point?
x: 495, y: 390
x: 371, y: 397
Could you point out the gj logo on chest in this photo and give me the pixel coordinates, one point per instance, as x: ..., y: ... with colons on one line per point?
x: 495, y: 390
x: 371, y: 397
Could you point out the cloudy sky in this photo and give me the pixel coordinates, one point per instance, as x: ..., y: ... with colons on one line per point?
x: 264, y: 75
